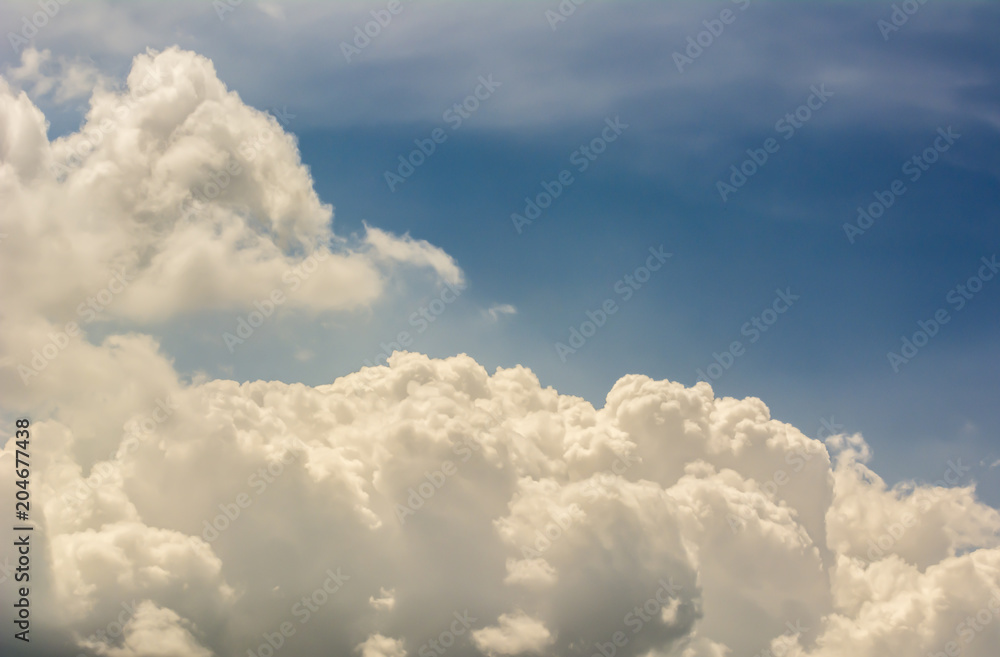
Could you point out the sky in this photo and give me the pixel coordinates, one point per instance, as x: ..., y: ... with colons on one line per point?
x: 572, y: 213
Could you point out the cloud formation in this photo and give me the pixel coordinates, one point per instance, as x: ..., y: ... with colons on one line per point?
x: 425, y: 507
x: 173, y: 198
x: 549, y: 522
x: 203, y: 200
x: 687, y: 523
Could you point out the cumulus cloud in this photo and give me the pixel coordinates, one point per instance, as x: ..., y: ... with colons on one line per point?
x: 173, y: 198
x: 153, y: 632
x: 500, y: 517
x: 427, y: 506
x: 514, y: 634
x: 201, y: 200
x: 386, y: 600
x: 380, y: 646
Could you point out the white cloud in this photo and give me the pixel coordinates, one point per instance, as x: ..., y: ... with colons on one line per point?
x: 201, y: 199
x: 65, y: 79
x: 380, y: 646
x: 414, y: 252
x: 547, y: 526
x: 114, y: 224
x: 153, y: 632
x: 515, y: 634
x: 433, y: 500
x: 273, y: 10
x: 495, y: 311
x: 385, y: 602
x: 304, y: 355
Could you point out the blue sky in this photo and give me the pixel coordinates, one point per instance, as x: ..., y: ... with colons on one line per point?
x: 656, y: 184
x: 796, y: 201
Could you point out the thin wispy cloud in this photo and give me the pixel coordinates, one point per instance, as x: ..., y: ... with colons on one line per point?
x: 495, y: 312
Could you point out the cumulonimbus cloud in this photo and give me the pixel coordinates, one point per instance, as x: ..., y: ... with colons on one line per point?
x: 501, y: 517
x: 426, y: 507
